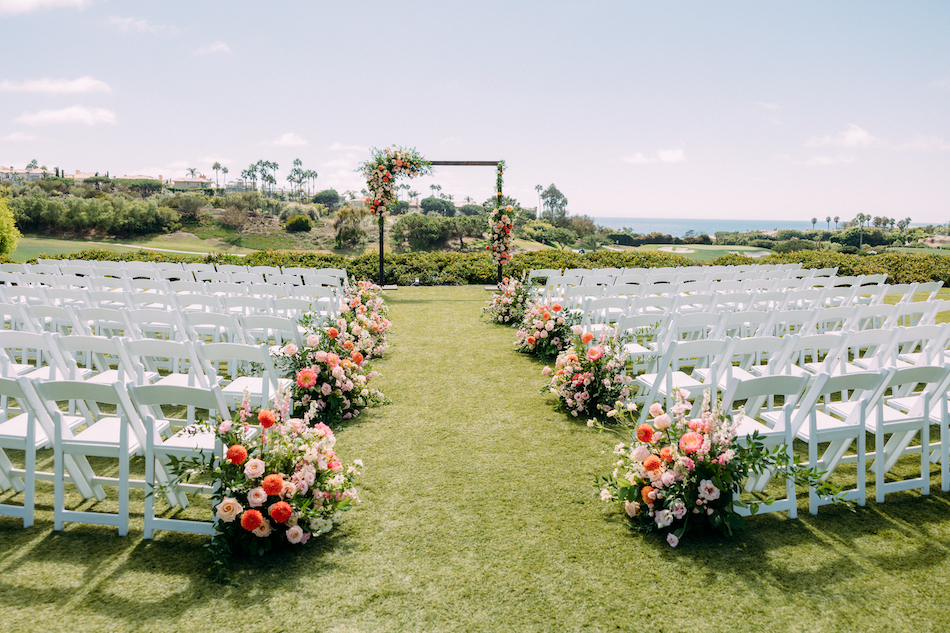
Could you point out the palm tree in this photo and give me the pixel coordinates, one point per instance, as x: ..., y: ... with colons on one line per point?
x: 216, y: 168
x: 413, y: 195
x: 814, y: 221
x: 837, y: 219
x: 860, y: 220
x: 224, y: 172
x: 828, y: 220
x: 192, y: 172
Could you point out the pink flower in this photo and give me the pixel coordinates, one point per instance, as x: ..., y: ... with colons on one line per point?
x: 668, y: 478
x: 326, y: 389
x: 640, y: 453
x: 708, y: 490
x: 289, y: 490
x: 663, y: 421
x: 578, y: 330
x: 306, y: 378
x: 691, y: 442
x: 320, y: 356
x: 678, y: 508
x: 546, y: 371
x: 313, y: 340
x: 632, y: 508
x: 663, y: 518
x: 263, y: 530
x: 254, y: 468
x: 672, y: 540
x: 256, y: 497
x: 295, y: 534
x: 656, y: 409
x: 595, y: 352
x: 224, y: 427
x: 289, y: 349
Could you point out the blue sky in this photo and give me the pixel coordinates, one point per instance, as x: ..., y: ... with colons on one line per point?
x: 633, y: 109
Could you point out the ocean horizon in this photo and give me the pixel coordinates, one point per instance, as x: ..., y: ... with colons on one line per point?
x: 677, y: 227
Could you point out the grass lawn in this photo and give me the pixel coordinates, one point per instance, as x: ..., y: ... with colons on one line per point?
x: 701, y: 252
x: 479, y: 514
x: 30, y: 246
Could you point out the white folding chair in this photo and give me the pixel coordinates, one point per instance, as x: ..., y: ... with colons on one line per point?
x: 242, y: 370
x: 187, y: 441
x: 270, y: 330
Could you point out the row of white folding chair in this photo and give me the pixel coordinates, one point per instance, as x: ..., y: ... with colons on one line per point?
x: 133, y: 268
x: 284, y: 300
x: 136, y: 427
x: 674, y: 274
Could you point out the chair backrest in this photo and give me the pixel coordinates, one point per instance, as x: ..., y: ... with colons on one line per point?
x: 818, y: 350
x: 269, y: 329
x: 543, y: 273
x: 98, y: 353
x: 149, y: 399
x: 162, y: 324
x: 90, y: 395
x: 764, y: 392
x: 104, y: 321
x: 218, y: 326
x: 156, y: 355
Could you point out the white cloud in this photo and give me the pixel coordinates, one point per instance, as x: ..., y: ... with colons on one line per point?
x: 922, y: 143
x: 211, y: 49
x: 854, y: 136
x: 15, y: 7
x: 290, y: 140
x: 672, y: 155
x: 136, y: 25
x: 347, y: 148
x: 768, y: 106
x: 74, y: 114
x: 18, y: 137
x: 57, y: 86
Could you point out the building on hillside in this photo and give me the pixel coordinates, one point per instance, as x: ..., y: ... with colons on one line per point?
x: 238, y: 186
x: 138, y: 177
x: 21, y: 176
x: 192, y: 183
x: 79, y: 176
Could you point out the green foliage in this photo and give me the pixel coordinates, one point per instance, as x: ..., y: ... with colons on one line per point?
x: 546, y: 233
x: 438, y: 205
x: 858, y: 236
x: 299, y: 223
x: 419, y: 231
x: 793, y: 245
x: 328, y: 198
x: 472, y: 209
x: 113, y: 215
x: 9, y: 235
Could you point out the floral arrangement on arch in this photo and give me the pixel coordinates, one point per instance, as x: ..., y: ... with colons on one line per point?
x: 589, y: 378
x: 545, y: 330
x: 382, y: 171
x: 500, y: 223
x: 281, y: 483
x: 683, y: 475
x: 509, y: 307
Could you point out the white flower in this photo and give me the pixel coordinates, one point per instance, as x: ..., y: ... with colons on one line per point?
x: 605, y: 495
x: 708, y: 490
x: 663, y: 518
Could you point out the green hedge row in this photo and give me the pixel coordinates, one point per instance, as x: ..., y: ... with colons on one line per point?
x: 450, y: 269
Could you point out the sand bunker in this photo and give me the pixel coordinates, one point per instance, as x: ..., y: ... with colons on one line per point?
x: 675, y: 249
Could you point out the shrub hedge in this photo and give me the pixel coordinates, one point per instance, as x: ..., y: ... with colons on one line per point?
x: 452, y: 269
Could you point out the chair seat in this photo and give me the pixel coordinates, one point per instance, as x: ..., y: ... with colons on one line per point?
x: 748, y: 426
x: 15, y: 429
x: 844, y: 409
x: 111, y: 376
x: 178, y: 380
x: 635, y: 348
x: 105, y: 433
x: 50, y: 373
x: 189, y: 441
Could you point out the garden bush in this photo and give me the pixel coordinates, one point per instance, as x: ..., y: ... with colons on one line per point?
x: 299, y: 223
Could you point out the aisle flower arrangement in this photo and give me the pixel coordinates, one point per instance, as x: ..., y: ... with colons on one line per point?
x: 588, y: 377
x: 362, y: 324
x: 682, y: 475
x: 327, y: 386
x: 509, y: 307
x: 282, y: 483
x: 545, y: 330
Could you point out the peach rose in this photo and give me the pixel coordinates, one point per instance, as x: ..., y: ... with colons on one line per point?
x: 263, y: 530
x: 254, y: 468
x: 256, y: 497
x: 295, y: 534
x: 228, y: 509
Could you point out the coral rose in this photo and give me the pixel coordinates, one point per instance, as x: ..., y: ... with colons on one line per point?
x: 556, y: 307
x: 532, y: 340
x: 251, y: 520
x: 348, y: 345
x: 645, y: 433
x: 357, y: 357
x: 652, y: 463
x: 595, y: 353
x: 306, y: 378
x: 280, y: 511
x: 666, y: 454
x: 691, y: 442
x: 228, y: 509
x: 333, y: 332
x: 273, y: 484
x: 267, y: 418
x: 645, y: 495
x: 587, y: 337
x: 237, y: 454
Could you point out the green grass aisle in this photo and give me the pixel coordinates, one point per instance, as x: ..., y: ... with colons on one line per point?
x: 479, y: 515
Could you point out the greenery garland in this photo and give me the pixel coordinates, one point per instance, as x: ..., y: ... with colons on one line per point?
x: 500, y: 224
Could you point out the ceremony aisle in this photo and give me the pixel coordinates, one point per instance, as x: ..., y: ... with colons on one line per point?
x: 479, y: 514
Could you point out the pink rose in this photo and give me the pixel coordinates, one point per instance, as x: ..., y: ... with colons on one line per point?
x: 667, y: 478
x: 256, y: 497
x: 320, y: 356
x: 290, y: 489
x: 578, y: 330
x: 546, y: 371
x: 656, y: 409
x: 595, y: 353
x: 224, y: 427
x: 289, y: 349
x: 326, y: 389
x: 632, y: 508
x: 672, y: 540
x: 254, y: 468
x: 263, y: 530
x: 313, y: 340
x: 640, y: 453
x: 662, y: 422
x: 295, y: 534
x: 228, y: 509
